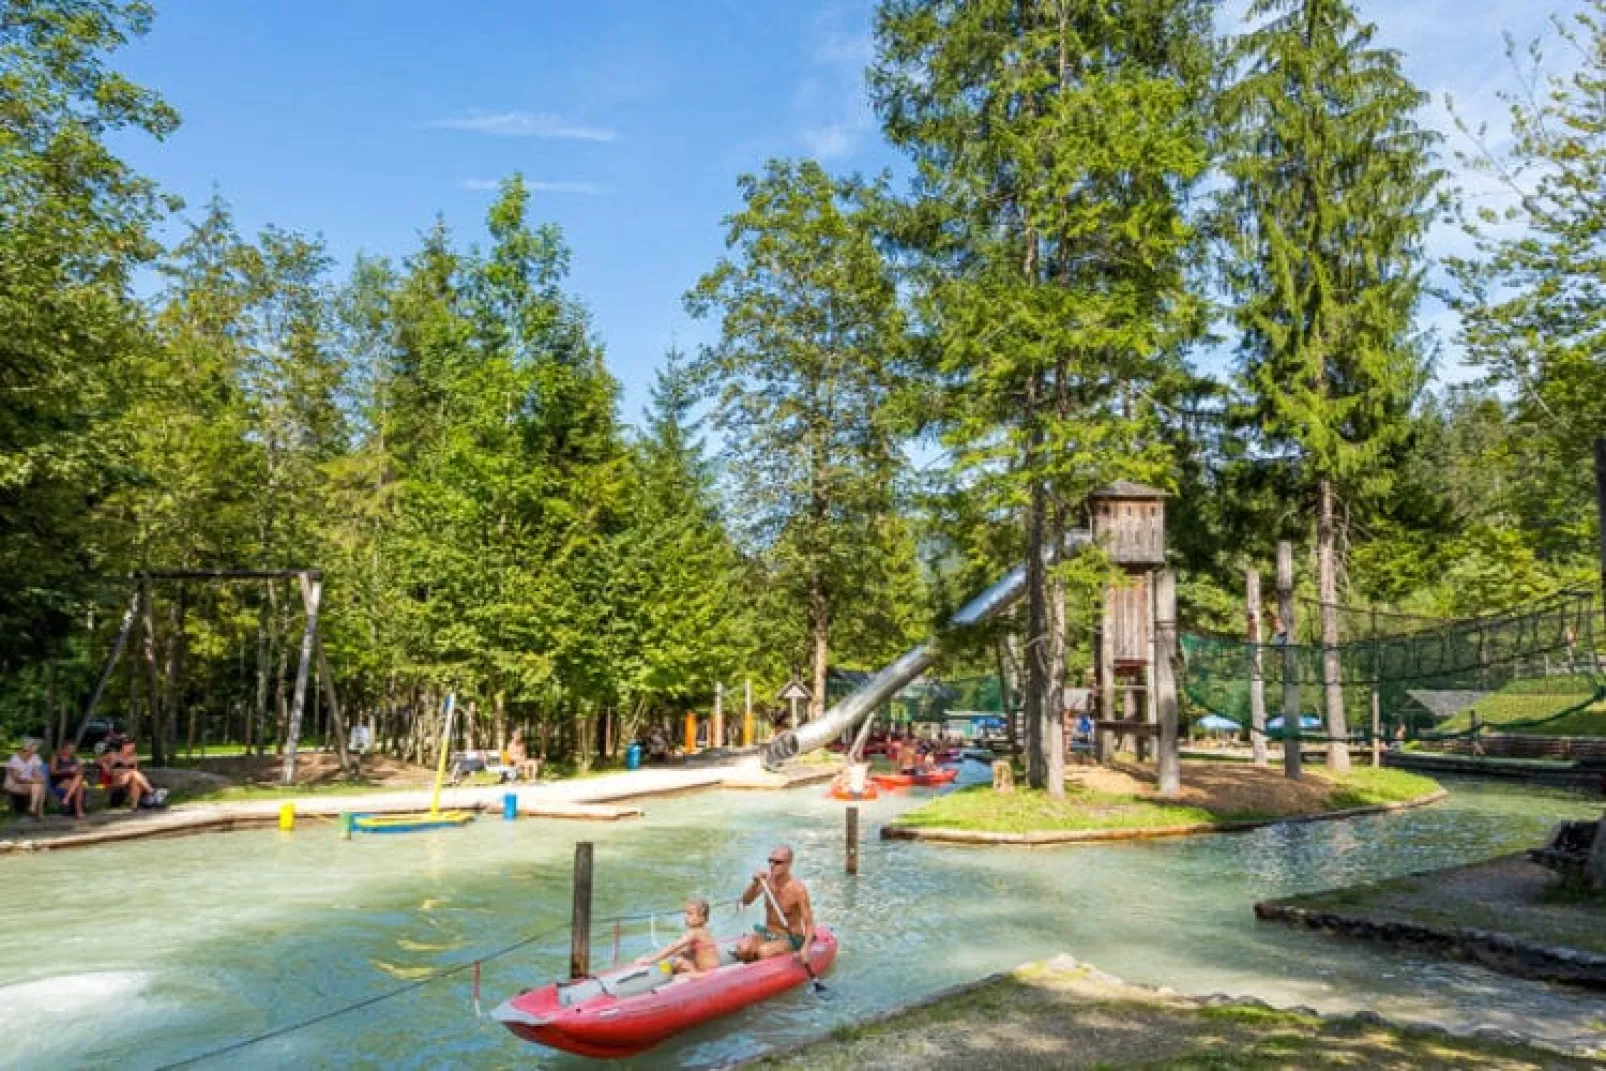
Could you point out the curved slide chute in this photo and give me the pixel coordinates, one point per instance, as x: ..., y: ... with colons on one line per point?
x: 859, y: 703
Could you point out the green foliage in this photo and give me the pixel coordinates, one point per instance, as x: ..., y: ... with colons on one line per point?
x: 810, y: 334
x: 1533, y: 300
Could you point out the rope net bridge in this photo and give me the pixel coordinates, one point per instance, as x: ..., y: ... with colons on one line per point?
x: 1521, y: 669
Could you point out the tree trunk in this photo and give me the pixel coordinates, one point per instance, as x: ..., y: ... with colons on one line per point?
x: 1037, y: 594
x: 1169, y: 760
x: 1257, y: 669
x: 1333, y: 690
x: 1005, y: 648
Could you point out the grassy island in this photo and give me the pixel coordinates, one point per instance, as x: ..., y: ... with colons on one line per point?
x: 1099, y: 798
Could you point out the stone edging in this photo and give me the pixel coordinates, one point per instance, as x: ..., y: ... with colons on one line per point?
x: 1497, y: 951
x: 1084, y: 836
x: 1063, y: 962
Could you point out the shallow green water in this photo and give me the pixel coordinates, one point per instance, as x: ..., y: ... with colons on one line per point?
x: 145, y: 953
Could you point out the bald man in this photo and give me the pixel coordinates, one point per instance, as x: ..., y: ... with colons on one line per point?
x: 789, y: 930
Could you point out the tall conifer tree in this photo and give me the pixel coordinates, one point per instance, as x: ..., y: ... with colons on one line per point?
x: 1055, y: 140
x: 1332, y: 192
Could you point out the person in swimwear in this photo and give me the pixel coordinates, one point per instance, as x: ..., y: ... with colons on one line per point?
x: 120, y: 774
x: 695, y: 951
x: 789, y: 930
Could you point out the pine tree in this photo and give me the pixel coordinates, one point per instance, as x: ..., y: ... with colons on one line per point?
x: 1054, y: 141
x: 1332, y: 192
x: 803, y: 372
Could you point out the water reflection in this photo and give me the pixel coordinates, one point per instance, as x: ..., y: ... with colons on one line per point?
x: 205, y: 940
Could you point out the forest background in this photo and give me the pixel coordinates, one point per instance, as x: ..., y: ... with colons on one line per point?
x: 911, y: 387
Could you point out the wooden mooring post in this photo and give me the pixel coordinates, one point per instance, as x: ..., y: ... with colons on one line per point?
x: 853, y: 841
x: 580, y: 918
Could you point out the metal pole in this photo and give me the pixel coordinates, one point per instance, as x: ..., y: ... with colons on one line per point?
x: 1377, y: 701
x: 580, y: 916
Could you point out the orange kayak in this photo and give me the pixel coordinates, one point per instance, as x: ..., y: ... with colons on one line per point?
x: 940, y: 776
x: 842, y: 792
x: 627, y: 1011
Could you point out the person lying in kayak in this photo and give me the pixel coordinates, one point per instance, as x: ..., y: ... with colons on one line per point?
x: 695, y: 951
x: 791, y: 929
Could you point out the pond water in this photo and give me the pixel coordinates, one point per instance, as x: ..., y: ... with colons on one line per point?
x: 147, y: 953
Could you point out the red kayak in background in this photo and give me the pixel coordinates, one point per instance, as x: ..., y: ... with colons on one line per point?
x: 940, y: 776
x: 627, y: 1011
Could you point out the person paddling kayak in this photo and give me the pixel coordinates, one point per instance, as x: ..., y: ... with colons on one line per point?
x: 792, y: 932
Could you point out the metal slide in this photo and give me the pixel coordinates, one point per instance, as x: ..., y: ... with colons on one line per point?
x: 791, y: 743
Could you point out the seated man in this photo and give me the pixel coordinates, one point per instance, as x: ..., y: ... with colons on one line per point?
x: 67, y: 779
x: 695, y: 951
x: 120, y: 774
x: 25, y: 779
x: 518, y: 757
x: 907, y: 759
x: 788, y: 915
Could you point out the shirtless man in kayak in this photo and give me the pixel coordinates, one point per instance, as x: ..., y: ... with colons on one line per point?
x: 778, y: 935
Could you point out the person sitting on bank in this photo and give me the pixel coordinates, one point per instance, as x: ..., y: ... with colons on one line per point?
x: 25, y: 779
x: 120, y: 774
x: 791, y: 929
x: 518, y: 757
x: 67, y: 779
x: 693, y: 952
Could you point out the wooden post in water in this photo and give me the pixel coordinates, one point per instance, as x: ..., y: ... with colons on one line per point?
x: 853, y: 840
x: 1285, y: 610
x: 1165, y: 680
x: 580, y: 917
x: 1257, y: 668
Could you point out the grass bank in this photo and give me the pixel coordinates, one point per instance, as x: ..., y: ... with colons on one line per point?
x: 1096, y: 798
x: 1067, y: 1015
x: 1531, y: 707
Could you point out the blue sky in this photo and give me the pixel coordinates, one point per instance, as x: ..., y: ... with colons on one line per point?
x: 360, y: 120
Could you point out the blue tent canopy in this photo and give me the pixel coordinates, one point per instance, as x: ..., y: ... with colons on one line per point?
x: 1305, y: 722
x: 1217, y: 724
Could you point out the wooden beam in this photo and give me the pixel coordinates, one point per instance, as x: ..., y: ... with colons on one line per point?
x: 227, y: 574
x: 580, y: 913
x: 1165, y: 680
x: 1285, y: 610
x: 111, y: 663
x: 1257, y: 668
x: 312, y: 594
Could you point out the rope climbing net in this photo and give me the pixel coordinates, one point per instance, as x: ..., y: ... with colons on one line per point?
x: 1520, y: 668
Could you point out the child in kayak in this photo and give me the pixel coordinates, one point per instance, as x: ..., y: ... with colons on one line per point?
x: 695, y: 951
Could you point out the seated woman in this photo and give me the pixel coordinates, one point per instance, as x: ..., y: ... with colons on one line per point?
x: 518, y: 757
x: 67, y: 779
x: 25, y: 779
x: 121, y: 776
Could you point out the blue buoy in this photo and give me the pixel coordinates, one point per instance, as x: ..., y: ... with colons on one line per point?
x: 510, y: 806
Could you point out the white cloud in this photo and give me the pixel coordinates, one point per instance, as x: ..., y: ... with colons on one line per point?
x: 830, y: 105
x: 524, y: 125
x: 480, y: 185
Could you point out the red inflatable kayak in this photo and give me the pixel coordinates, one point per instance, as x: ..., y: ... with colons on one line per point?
x: 841, y: 792
x: 940, y: 776
x: 627, y: 1011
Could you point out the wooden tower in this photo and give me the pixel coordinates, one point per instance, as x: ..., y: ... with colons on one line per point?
x: 1129, y: 523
